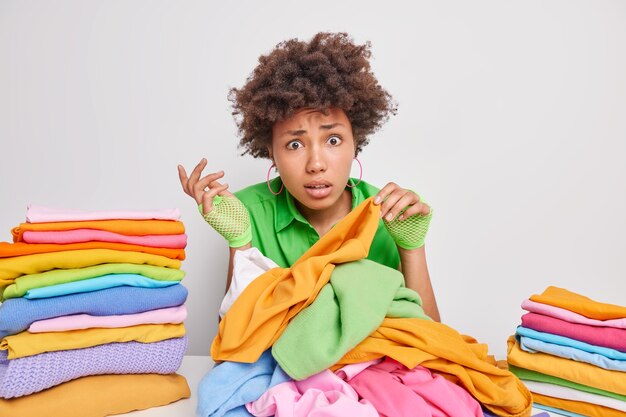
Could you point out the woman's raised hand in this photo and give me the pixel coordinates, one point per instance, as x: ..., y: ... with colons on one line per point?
x: 219, y: 207
x: 404, y: 214
x: 204, y: 189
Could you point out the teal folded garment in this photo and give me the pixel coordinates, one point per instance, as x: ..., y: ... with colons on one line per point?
x: 349, y: 308
x: 95, y: 284
x: 527, y: 374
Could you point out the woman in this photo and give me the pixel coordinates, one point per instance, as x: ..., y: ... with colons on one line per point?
x: 309, y: 107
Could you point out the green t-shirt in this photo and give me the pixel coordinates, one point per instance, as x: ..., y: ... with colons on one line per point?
x: 282, y: 234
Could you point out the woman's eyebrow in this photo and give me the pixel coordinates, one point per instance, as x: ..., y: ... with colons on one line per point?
x: 330, y: 126
x: 303, y: 131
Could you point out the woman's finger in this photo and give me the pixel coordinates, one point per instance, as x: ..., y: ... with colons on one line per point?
x: 207, y: 197
x: 384, y: 192
x: 396, y: 202
x: 418, y: 208
x: 182, y: 175
x: 391, y: 202
x: 195, y: 174
x: 209, y: 181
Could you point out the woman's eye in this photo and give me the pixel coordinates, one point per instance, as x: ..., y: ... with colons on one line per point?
x: 294, y: 144
x: 334, y: 140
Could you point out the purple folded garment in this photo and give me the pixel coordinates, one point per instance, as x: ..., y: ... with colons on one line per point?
x: 24, y: 376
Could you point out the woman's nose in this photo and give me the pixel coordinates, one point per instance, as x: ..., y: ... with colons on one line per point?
x: 316, y: 161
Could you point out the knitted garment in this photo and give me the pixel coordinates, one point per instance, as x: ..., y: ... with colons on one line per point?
x: 29, y: 344
x: 25, y: 376
x: 17, y: 314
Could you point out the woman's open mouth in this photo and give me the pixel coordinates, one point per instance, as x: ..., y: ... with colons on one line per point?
x: 318, y: 190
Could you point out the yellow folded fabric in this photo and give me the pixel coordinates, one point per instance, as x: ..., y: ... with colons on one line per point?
x: 580, y: 372
x: 123, y: 227
x: 9, y: 250
x: 458, y: 357
x: 578, y: 407
x: 11, y: 268
x: 560, y: 297
x: 261, y: 313
x: 99, y: 396
x: 28, y: 344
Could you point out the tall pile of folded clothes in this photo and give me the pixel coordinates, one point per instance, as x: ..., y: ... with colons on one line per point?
x: 339, y: 335
x: 571, y: 353
x: 91, y: 322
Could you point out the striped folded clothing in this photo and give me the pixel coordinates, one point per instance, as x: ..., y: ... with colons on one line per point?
x: 24, y: 376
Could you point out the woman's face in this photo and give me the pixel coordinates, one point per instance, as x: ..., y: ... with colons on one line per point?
x: 313, y: 152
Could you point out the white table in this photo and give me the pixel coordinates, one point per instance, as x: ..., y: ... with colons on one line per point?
x: 194, y: 368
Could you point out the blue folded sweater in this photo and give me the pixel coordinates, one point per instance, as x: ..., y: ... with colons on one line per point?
x: 16, y: 314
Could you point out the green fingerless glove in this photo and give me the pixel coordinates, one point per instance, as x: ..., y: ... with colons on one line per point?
x: 231, y: 219
x: 409, y: 233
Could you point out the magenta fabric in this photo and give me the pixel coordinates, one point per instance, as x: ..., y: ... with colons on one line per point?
x: 599, y: 336
x: 43, y: 214
x: 396, y: 391
x: 570, y: 316
x: 93, y: 235
x: 173, y: 315
x: 321, y: 395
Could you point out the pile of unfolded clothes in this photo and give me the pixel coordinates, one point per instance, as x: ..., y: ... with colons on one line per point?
x: 571, y: 353
x: 337, y: 335
x: 91, y: 319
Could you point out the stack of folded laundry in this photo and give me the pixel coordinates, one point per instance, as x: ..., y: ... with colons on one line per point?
x: 571, y: 353
x: 91, y: 322
x: 339, y: 335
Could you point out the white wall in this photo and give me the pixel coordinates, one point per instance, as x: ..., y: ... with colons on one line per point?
x: 511, y: 123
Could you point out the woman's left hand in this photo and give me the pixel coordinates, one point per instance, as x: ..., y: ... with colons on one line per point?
x: 395, y: 199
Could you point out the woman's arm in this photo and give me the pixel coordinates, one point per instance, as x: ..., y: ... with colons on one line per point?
x: 413, y: 266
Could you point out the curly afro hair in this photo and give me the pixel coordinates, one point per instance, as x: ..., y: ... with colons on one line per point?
x: 328, y: 71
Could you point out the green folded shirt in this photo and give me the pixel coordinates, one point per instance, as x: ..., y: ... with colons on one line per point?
x: 61, y: 276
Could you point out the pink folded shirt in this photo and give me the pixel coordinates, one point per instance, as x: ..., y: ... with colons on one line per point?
x: 570, y: 316
x: 93, y: 235
x: 172, y: 315
x: 43, y: 214
x: 599, y: 336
